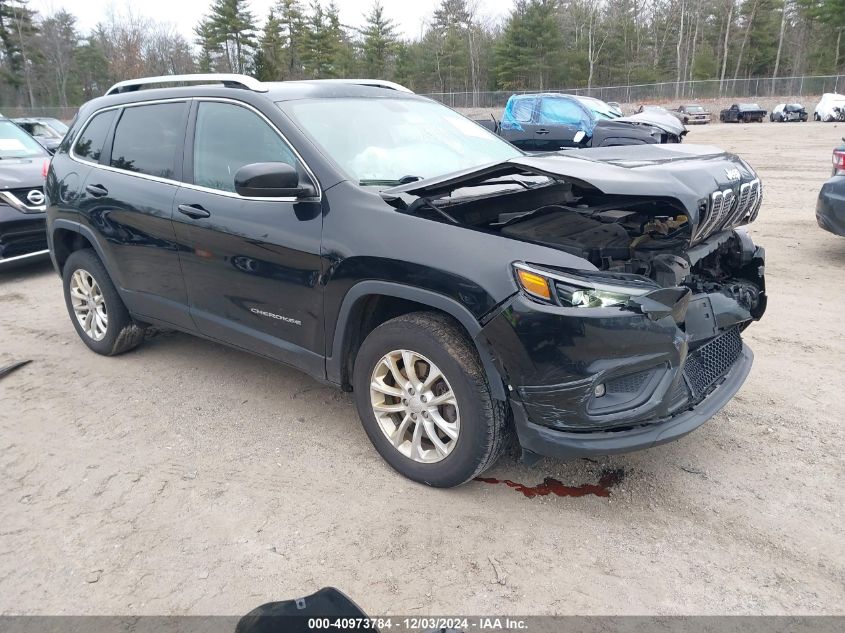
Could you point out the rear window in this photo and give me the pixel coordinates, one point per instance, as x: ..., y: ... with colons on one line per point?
x: 15, y: 143
x: 147, y: 138
x: 90, y: 143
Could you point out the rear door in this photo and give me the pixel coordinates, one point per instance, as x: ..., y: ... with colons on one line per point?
x: 127, y: 201
x: 252, y: 265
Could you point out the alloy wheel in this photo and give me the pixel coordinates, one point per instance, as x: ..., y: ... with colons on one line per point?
x: 415, y: 406
x: 89, y: 305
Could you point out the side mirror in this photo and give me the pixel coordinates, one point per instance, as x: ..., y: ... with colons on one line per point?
x: 271, y: 180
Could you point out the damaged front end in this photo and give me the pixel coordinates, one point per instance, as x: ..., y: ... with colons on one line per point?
x: 643, y: 343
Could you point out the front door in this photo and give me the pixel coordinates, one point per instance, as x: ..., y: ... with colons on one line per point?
x: 251, y: 265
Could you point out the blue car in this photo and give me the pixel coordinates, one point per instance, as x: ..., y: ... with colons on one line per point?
x: 551, y: 122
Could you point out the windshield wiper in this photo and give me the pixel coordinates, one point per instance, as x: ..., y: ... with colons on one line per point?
x: 375, y: 182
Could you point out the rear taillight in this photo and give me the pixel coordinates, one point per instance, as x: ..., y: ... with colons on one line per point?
x: 45, y: 167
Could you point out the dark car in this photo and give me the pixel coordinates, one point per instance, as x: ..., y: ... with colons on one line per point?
x: 23, y: 163
x: 551, y: 122
x: 589, y: 302
x: 743, y: 113
x: 830, y: 208
x: 692, y: 113
x: 42, y: 132
x: 786, y: 112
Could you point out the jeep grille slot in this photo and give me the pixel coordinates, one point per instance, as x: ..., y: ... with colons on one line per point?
x: 727, y: 210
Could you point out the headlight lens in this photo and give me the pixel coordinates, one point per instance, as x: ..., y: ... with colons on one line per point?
x: 581, y: 290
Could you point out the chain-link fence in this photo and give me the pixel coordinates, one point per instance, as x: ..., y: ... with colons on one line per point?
x: 63, y: 113
x: 755, y: 88
x: 666, y: 91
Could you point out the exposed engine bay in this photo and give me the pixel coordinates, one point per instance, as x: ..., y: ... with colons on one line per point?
x: 645, y: 236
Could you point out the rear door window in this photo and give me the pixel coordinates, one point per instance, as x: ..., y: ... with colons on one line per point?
x: 90, y: 143
x: 229, y: 136
x: 148, y: 139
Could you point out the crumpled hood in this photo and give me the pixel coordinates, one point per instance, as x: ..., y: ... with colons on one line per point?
x: 684, y: 172
x: 17, y: 173
x: 663, y: 120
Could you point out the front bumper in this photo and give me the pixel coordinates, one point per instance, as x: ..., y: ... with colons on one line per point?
x: 591, y: 381
x: 542, y: 440
x: 22, y: 235
x: 830, y: 208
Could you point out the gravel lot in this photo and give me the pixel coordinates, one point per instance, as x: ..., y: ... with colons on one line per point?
x: 188, y: 478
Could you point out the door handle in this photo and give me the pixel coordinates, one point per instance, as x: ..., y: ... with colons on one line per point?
x: 194, y: 211
x: 542, y: 131
x: 98, y: 191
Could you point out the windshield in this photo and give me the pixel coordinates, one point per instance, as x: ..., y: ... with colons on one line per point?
x: 15, y: 143
x: 40, y: 129
x: 382, y: 141
x: 694, y: 109
x: 57, y: 125
x: 749, y: 106
x: 599, y: 108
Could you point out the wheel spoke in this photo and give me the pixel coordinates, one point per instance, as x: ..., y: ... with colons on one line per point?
x: 443, y: 398
x: 399, y: 434
x: 431, y: 434
x: 379, y: 385
x: 384, y: 407
x: 409, y: 360
x: 89, y: 318
x: 100, y: 327
x: 433, y: 375
x: 416, y: 443
x: 449, y: 428
x: 80, y: 308
x: 394, y: 369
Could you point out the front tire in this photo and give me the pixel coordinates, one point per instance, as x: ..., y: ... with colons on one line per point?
x: 95, y: 308
x: 424, y: 401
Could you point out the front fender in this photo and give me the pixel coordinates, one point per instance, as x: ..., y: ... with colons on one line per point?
x: 362, y: 290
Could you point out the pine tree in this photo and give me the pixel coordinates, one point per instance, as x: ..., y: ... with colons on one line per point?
x: 270, y: 57
x: 232, y: 28
x: 379, y: 44
x: 530, y: 50
x: 17, y: 31
x: 207, y: 45
x: 292, y: 23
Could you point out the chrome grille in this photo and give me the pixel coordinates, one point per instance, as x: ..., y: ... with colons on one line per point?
x: 726, y: 209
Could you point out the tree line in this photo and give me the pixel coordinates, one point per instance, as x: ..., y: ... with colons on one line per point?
x: 46, y: 60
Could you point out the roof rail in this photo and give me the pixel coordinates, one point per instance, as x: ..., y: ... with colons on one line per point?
x: 375, y: 83
x: 228, y: 80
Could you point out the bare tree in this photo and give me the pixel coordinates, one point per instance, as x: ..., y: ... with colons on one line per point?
x: 725, y: 47
x: 58, y: 42
x: 780, y: 43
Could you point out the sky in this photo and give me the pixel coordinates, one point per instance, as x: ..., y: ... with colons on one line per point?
x: 409, y: 15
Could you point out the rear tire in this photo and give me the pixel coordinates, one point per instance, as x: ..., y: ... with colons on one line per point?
x: 95, y: 308
x: 443, y: 445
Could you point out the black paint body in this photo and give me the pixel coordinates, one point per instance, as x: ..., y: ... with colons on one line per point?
x: 311, y: 264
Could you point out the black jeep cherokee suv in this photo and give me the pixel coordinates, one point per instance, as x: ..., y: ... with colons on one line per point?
x: 590, y: 302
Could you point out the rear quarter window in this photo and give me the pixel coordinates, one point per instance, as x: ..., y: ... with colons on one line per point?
x: 148, y: 137
x: 89, y: 145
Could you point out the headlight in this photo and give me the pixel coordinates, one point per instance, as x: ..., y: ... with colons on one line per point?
x: 584, y: 290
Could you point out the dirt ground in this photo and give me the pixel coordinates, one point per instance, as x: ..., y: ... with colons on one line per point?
x: 187, y: 478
